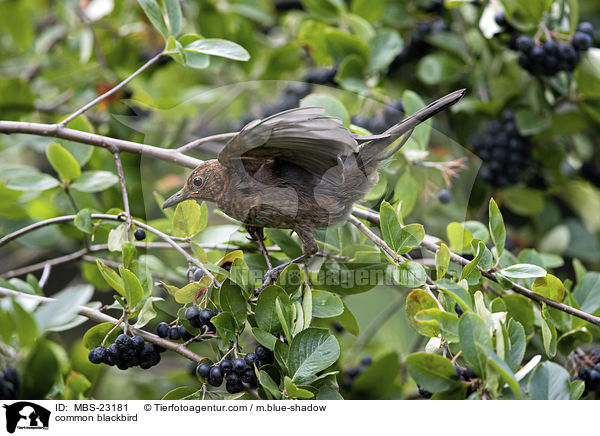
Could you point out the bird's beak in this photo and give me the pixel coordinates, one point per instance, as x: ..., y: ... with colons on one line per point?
x: 178, y: 197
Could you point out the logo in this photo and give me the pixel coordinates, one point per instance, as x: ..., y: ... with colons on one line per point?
x: 26, y: 415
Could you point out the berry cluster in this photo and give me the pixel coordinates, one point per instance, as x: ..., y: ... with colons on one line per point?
x: 236, y: 372
x: 589, y: 372
x: 550, y: 57
x: 418, y: 47
x: 392, y: 114
x: 505, y: 153
x: 127, y: 352
x: 354, y: 371
x: 9, y: 383
x: 200, y: 319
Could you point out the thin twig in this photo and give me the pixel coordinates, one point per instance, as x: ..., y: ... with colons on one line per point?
x: 45, y: 275
x: 100, y: 317
x: 97, y: 100
x: 145, y: 226
x: 119, y: 165
x: 196, y: 142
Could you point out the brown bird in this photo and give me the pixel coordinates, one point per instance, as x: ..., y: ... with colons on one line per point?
x: 297, y: 169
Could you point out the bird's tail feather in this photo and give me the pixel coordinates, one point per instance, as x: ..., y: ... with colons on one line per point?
x: 372, y: 151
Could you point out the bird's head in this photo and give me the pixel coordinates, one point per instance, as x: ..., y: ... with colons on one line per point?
x: 206, y: 182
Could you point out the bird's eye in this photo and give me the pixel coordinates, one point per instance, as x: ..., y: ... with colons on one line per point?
x: 197, y: 181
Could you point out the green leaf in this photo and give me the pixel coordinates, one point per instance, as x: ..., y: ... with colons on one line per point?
x: 174, y: 16
x: 63, y: 162
x: 284, y: 319
x: 112, y: 278
x: 417, y: 301
x: 370, y: 10
x: 501, y: 368
x: 83, y: 221
x: 264, y: 338
x: 448, y: 322
x: 351, y: 75
x: 25, y: 325
x: 154, y: 14
x: 549, y: 381
x: 179, y: 393
x: 311, y: 351
x: 442, y: 260
x: 290, y: 278
x: 128, y: 252
x: 439, y: 68
x: 116, y: 237
x: 190, y: 218
x: 333, y: 107
x: 520, y: 308
x: 473, y: 264
x: 219, y: 47
x: 458, y: 236
x: 95, y: 181
x: 147, y: 313
x: 432, y: 372
x: 289, y: 246
x: 497, y: 229
x: 307, y: 305
x: 568, y: 341
x: 531, y: 122
x: 189, y: 292
x: 377, y: 380
x: 412, y: 103
x: 548, y: 332
x: 411, y: 236
x: 342, y: 44
x: 524, y: 201
x: 42, y: 369
x: 473, y: 332
x: 81, y: 152
x: 326, y: 305
x: 587, y: 293
x: 32, y: 181
x: 94, y: 336
x: 59, y: 312
x: 231, y: 300
x: 410, y: 274
x: 587, y: 74
x: 390, y: 225
x: 523, y: 271
x: 226, y: 326
x: 550, y: 287
x: 518, y: 344
x: 326, y: 10
x: 348, y: 321
x: 266, y: 313
x: 295, y: 392
x: 268, y: 384
x: 133, y: 288
x: 384, y: 47
x: 407, y: 190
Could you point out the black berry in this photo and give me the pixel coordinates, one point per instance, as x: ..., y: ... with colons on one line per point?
x: 138, y: 343
x: 205, y: 315
x: 239, y: 365
x: 174, y: 333
x: 226, y: 366
x: 198, y: 274
x: 234, y: 388
x: 203, y: 370
x: 124, y: 343
x: 251, y: 359
x: 139, y: 234
x: 191, y: 313
x: 215, y: 376
x: 162, y: 330
x: 445, y: 196
x: 458, y: 309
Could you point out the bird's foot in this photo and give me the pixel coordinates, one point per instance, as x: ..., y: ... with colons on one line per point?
x: 272, y: 273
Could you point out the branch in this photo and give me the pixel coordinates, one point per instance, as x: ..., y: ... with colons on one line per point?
x: 66, y: 218
x: 373, y: 217
x: 112, y: 144
x: 97, y: 316
x: 78, y: 112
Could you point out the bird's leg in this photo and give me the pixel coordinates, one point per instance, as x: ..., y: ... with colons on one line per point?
x: 309, y: 248
x: 256, y: 234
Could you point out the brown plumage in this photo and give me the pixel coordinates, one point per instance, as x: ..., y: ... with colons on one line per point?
x: 297, y: 169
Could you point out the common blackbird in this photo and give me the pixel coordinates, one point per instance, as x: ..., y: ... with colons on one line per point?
x: 297, y: 169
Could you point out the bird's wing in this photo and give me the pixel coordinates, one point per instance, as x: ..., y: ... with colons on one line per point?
x: 303, y: 136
